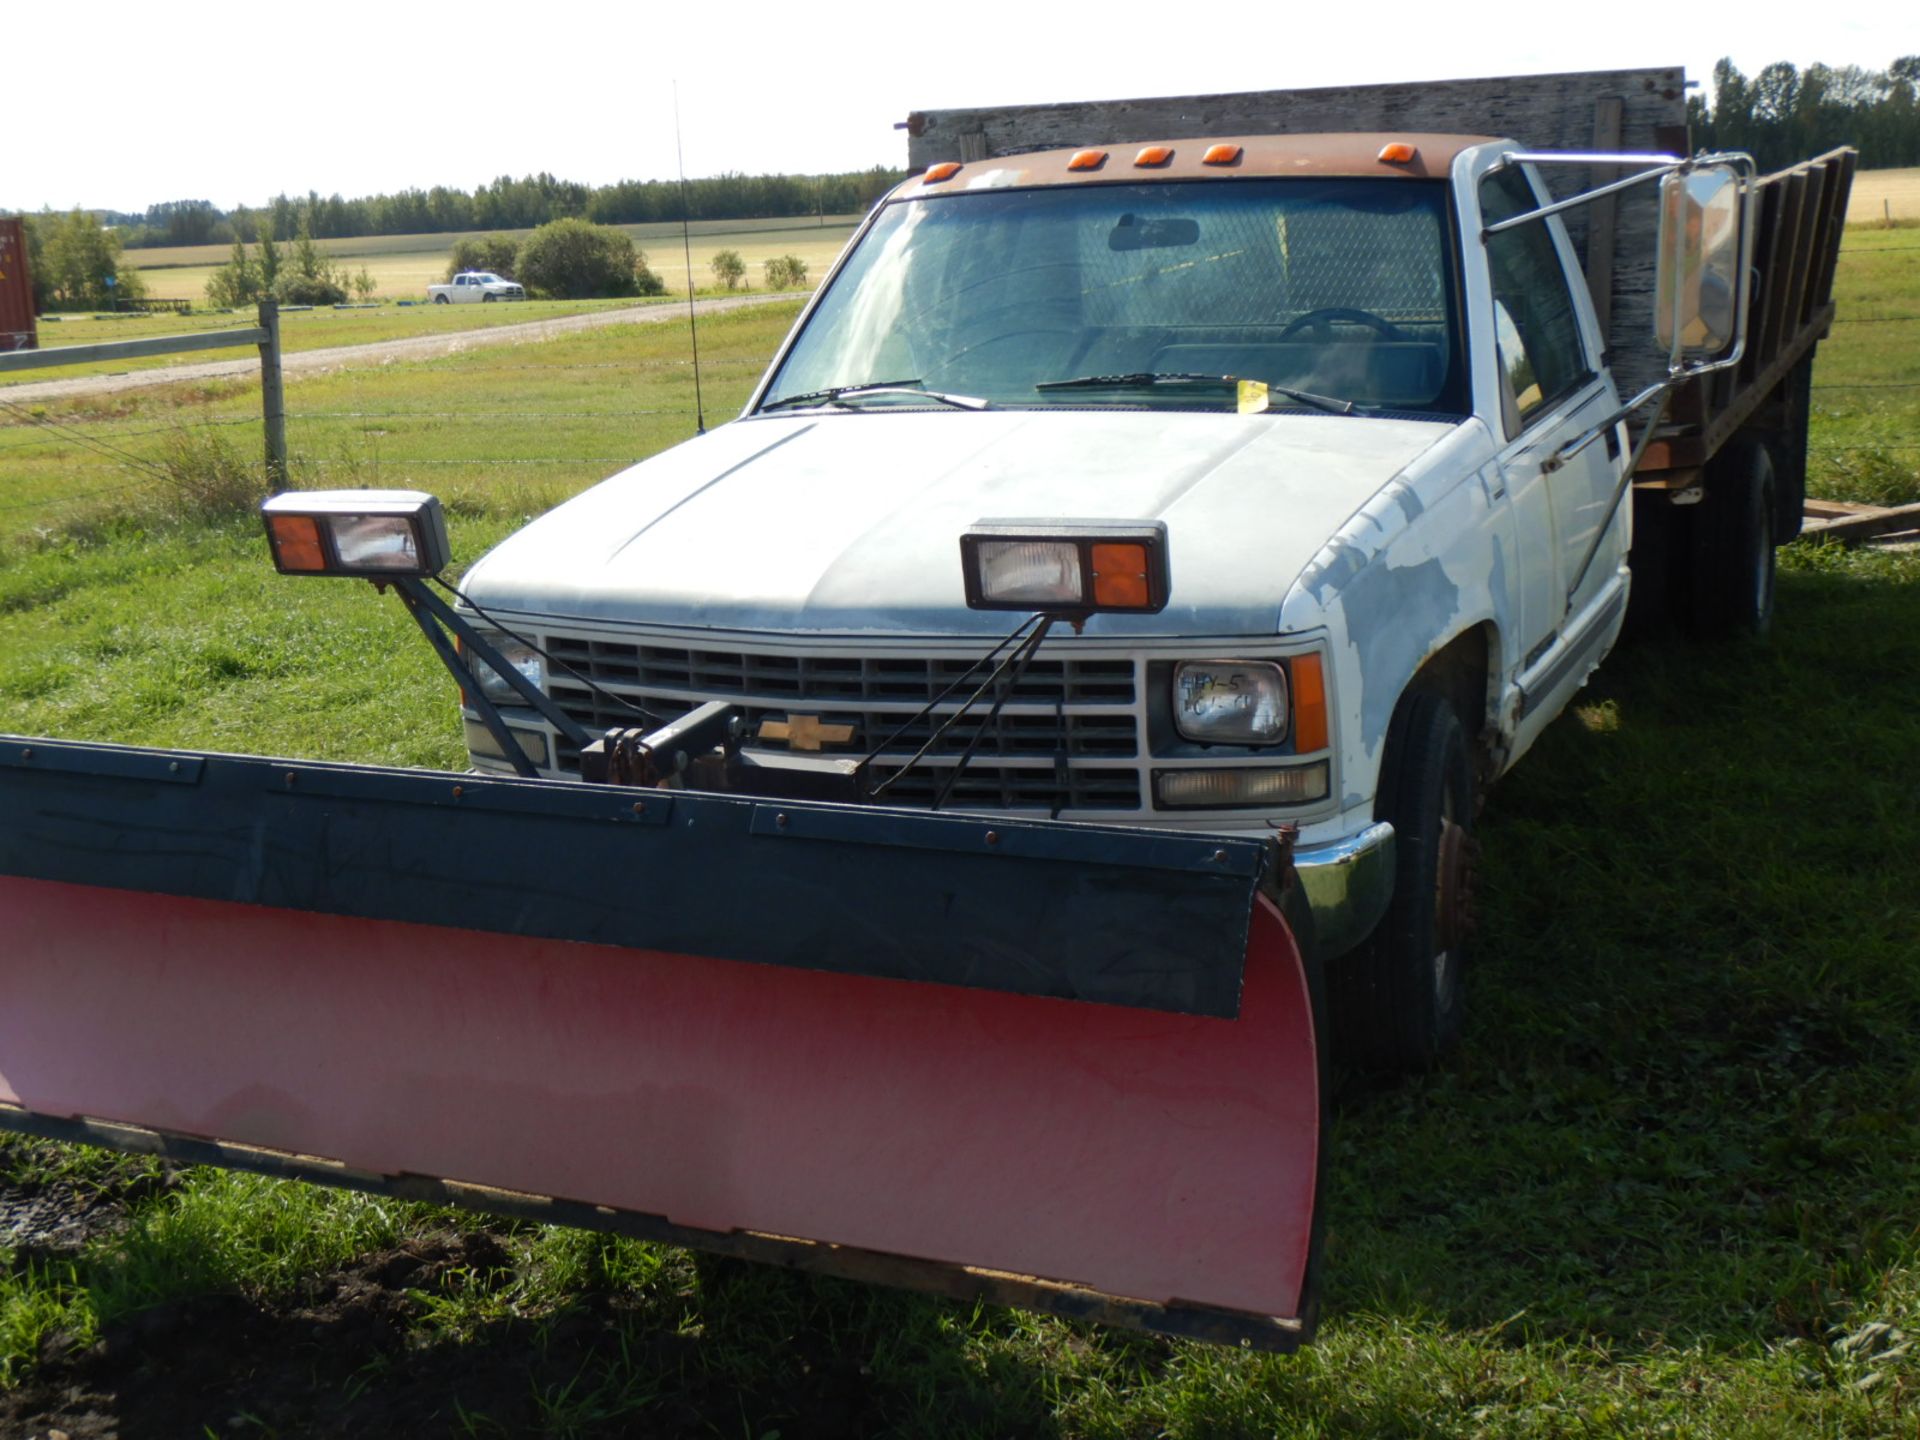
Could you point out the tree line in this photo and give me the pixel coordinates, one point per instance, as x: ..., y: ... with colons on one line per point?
x: 506, y: 204
x: 1785, y: 114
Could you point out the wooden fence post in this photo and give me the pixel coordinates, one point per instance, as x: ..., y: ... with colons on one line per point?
x: 273, y: 405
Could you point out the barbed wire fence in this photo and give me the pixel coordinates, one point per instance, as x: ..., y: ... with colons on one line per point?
x: 499, y: 412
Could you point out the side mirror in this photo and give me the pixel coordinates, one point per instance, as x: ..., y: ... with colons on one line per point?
x: 1700, y: 309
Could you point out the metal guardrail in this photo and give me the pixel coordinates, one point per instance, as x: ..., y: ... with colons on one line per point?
x: 266, y: 335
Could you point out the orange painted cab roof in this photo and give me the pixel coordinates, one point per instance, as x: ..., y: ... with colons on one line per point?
x: 1355, y: 154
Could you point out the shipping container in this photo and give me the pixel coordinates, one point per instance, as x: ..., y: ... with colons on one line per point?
x: 16, y: 288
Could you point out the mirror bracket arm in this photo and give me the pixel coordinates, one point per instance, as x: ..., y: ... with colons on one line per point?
x: 1658, y: 392
x: 1659, y: 165
x: 1573, y: 447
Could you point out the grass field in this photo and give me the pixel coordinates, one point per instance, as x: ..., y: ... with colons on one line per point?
x: 1668, y: 1187
x: 1880, y: 194
x: 555, y: 415
x: 403, y: 266
x: 1866, y: 438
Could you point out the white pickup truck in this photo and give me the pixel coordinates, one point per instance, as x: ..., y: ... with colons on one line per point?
x: 1355, y: 380
x: 475, y: 286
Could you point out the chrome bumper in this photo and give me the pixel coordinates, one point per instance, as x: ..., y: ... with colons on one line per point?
x: 1347, y: 885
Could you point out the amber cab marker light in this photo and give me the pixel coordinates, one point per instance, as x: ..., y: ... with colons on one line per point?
x: 296, y: 542
x: 1087, y: 160
x: 1120, y: 577
x: 1309, y: 704
x: 945, y: 170
x: 1398, y: 153
x: 1220, y: 155
x: 1154, y: 155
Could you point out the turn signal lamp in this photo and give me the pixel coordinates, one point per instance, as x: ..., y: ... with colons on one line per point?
x: 1087, y: 160
x: 1398, y: 153
x: 1066, y: 566
x: 945, y: 170
x: 1309, y: 703
x: 375, y: 534
x: 1241, y: 787
x: 1154, y: 155
x: 1220, y: 155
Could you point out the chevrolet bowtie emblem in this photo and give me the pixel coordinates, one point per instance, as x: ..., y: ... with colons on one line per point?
x: 805, y: 732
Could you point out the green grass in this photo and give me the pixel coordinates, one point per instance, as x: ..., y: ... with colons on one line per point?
x: 1666, y: 1188
x: 226, y: 1231
x: 1866, y: 398
x: 37, y: 1300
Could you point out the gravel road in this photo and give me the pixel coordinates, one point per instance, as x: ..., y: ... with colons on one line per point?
x: 342, y: 357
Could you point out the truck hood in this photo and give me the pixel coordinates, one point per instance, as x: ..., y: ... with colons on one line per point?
x: 849, y: 524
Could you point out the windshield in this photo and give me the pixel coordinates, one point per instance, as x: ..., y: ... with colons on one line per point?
x: 1140, y: 295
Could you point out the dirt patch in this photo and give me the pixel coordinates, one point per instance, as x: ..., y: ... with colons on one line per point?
x: 56, y: 1220
x: 349, y: 1356
x: 48, y: 1216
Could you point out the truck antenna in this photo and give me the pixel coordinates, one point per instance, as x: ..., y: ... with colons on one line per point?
x: 686, y: 249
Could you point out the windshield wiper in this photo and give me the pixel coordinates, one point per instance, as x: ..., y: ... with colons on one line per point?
x: 1137, y: 377
x: 840, y: 394
x: 1143, y: 378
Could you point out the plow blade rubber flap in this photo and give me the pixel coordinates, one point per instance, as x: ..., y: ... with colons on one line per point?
x: 1133, y: 1165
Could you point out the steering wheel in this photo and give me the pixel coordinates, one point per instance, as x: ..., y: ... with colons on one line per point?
x: 1321, y: 322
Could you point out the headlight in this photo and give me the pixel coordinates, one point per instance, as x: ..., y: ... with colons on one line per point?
x: 1030, y: 572
x: 1230, y: 702
x: 523, y: 658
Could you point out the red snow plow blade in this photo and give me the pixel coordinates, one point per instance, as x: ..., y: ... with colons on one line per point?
x: 1121, y: 1162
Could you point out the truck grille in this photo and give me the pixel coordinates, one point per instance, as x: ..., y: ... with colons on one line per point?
x: 1067, y: 739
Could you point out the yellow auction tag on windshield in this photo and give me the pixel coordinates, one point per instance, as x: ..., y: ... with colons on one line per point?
x: 1253, y: 396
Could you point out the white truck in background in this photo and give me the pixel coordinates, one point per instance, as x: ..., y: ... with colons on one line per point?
x: 1360, y: 383
x: 474, y: 287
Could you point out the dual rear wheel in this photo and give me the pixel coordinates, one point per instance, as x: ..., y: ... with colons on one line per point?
x: 1707, y: 569
x: 1733, y: 549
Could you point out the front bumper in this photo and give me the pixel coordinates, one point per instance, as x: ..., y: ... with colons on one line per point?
x: 1347, y: 885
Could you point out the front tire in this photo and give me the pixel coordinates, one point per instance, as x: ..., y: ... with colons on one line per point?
x: 1400, y: 998
x: 486, y: 299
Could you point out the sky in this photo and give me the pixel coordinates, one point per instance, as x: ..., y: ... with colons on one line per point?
x: 236, y: 102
